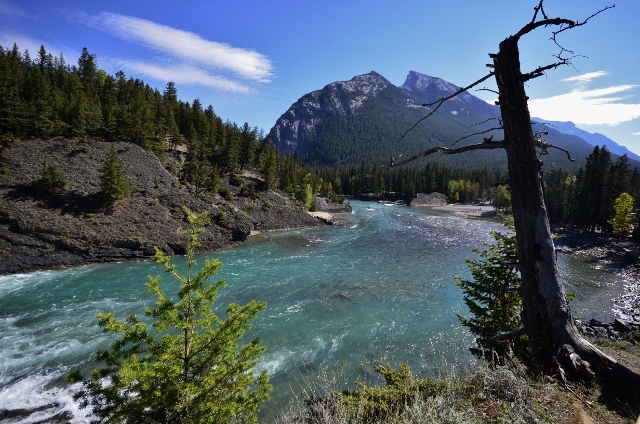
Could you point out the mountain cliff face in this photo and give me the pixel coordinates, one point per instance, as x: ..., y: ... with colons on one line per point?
x: 364, y: 118
x: 338, y: 99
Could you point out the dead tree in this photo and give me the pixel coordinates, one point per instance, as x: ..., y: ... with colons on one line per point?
x: 546, y: 315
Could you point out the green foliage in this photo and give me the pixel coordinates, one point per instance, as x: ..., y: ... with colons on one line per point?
x: 463, y: 190
x: 51, y: 178
x: 502, y: 199
x: 375, y: 404
x: 225, y: 192
x: 493, y: 299
x: 113, y: 179
x: 622, y: 221
x: 236, y: 180
x: 186, y: 367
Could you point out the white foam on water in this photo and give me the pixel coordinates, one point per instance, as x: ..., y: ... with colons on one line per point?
x: 33, y: 393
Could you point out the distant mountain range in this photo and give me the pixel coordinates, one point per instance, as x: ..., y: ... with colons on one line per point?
x: 363, y: 119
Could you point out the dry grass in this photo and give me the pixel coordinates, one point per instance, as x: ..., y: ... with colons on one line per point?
x: 500, y: 394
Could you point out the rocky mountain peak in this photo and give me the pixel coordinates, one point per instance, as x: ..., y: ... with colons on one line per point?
x: 341, y: 98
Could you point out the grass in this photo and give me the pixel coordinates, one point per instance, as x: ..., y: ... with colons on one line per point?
x: 482, y: 394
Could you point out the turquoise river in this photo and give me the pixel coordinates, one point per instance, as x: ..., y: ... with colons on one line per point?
x: 339, y: 300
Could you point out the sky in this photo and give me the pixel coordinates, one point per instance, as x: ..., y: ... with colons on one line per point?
x: 252, y: 59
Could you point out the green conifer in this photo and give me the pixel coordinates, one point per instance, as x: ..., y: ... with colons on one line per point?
x: 186, y: 367
x: 113, y: 179
x: 493, y: 298
x: 51, y: 178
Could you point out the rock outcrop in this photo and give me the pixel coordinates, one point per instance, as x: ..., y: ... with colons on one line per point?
x: 46, y: 229
x: 431, y: 199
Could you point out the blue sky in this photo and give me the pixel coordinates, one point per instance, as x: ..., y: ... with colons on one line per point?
x: 251, y: 59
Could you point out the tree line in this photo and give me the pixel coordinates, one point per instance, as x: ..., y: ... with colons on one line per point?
x: 47, y: 97
x: 587, y: 199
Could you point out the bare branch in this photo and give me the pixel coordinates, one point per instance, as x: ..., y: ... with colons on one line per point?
x: 545, y: 22
x: 542, y: 144
x: 488, y: 89
x: 485, y: 145
x: 537, y: 9
x: 499, y: 119
x: 477, y: 133
x: 510, y: 335
x: 540, y: 70
x: 441, y: 101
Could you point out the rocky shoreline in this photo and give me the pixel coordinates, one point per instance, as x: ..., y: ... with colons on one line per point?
x: 621, y: 255
x: 45, y: 229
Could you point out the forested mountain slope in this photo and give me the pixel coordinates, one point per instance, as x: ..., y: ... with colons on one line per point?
x: 363, y: 119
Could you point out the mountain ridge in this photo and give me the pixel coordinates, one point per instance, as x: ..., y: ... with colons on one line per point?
x: 363, y: 119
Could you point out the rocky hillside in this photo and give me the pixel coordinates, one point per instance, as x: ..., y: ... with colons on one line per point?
x: 362, y: 119
x: 44, y: 229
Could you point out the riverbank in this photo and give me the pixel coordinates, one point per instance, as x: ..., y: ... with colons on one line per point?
x: 621, y: 256
x: 74, y: 225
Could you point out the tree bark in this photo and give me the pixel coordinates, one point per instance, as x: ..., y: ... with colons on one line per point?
x: 546, y: 314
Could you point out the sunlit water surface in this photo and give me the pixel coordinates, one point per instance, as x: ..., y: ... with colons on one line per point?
x: 339, y: 299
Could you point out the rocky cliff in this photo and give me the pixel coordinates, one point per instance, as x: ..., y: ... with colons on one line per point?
x: 51, y: 228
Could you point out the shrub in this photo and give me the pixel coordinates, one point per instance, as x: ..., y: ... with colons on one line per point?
x: 51, y: 178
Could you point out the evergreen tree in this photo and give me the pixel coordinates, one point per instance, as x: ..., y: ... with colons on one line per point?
x: 113, y: 179
x: 186, y: 367
x: 492, y: 297
x: 51, y: 178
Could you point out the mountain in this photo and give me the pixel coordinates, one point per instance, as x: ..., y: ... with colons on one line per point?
x: 594, y: 139
x: 363, y: 119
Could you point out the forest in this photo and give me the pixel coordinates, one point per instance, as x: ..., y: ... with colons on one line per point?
x: 47, y: 97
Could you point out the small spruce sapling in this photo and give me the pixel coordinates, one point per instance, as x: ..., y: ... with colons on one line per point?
x: 51, y: 178
x: 113, y: 179
x: 493, y: 297
x: 187, y: 366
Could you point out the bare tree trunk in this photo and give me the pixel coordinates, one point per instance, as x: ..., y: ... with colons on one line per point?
x: 546, y: 314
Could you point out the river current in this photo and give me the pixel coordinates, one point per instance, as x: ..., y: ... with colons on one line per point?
x: 339, y: 300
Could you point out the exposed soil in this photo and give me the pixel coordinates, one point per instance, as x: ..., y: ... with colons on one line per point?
x: 74, y: 225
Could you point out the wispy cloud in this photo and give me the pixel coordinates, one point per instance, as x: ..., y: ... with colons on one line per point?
x: 603, y: 106
x: 204, y: 56
x: 183, y: 75
x: 9, y: 9
x: 7, y: 39
x: 635, y: 133
x: 585, y: 78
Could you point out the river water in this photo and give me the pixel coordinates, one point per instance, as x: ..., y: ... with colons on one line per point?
x: 339, y: 300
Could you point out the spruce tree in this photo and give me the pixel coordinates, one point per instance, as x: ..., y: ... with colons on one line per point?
x: 186, y: 367
x: 492, y: 297
x: 51, y: 178
x: 113, y: 179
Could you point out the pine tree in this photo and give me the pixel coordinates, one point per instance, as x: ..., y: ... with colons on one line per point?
x: 492, y: 297
x: 113, y: 179
x: 186, y: 367
x: 51, y: 178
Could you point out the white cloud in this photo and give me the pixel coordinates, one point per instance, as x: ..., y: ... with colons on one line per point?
x: 183, y: 75
x: 603, y: 106
x: 635, y: 133
x: 187, y: 46
x: 585, y: 78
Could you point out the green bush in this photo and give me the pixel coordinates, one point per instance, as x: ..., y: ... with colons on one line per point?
x: 51, y: 178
